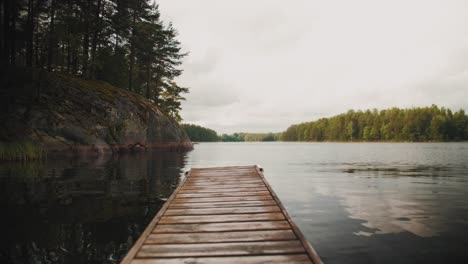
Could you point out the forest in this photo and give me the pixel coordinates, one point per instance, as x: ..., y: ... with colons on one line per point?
x: 414, y: 124
x: 124, y: 43
x: 411, y: 125
x: 203, y: 134
x: 241, y: 137
x: 200, y: 134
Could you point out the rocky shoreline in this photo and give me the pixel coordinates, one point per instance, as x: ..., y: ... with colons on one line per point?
x: 69, y: 116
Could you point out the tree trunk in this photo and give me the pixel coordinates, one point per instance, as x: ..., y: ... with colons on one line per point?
x: 36, y: 47
x: 69, y: 57
x: 2, y: 31
x: 86, y: 40
x: 68, y: 53
x: 30, y: 34
x: 157, y: 82
x: 132, y: 52
x: 94, y: 41
x: 62, y: 58
x: 12, y: 33
x: 74, y: 61
x: 148, y: 79
x: 50, y: 47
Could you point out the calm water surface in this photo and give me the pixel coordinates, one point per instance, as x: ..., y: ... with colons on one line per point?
x: 81, y: 211
x: 365, y: 202
x: 355, y: 202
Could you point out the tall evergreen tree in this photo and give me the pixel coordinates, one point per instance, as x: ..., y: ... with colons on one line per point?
x: 123, y: 42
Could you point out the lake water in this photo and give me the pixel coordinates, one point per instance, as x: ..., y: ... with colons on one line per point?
x: 355, y: 202
x: 82, y: 211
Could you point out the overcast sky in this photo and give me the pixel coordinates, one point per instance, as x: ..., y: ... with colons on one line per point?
x: 259, y: 66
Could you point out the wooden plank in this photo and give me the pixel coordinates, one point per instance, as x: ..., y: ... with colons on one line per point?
x: 221, y: 249
x: 224, y: 188
x: 218, y: 227
x: 229, y: 169
x: 222, y: 179
x: 229, y: 210
x: 216, y: 211
x: 222, y: 204
x: 232, y: 190
x: 223, y: 173
x: 231, y: 177
x: 185, y: 219
x: 225, y: 176
x: 222, y: 184
x: 223, y: 168
x: 272, y: 259
x: 215, y: 237
x: 222, y: 199
x: 223, y: 215
x: 221, y: 194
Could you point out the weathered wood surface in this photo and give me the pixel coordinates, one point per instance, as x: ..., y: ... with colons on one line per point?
x: 222, y: 215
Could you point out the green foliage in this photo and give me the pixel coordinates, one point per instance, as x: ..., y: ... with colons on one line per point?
x: 236, y: 137
x: 415, y: 124
x: 122, y: 42
x: 240, y: 137
x: 259, y: 136
x: 200, y: 134
x: 171, y: 99
x: 21, y: 151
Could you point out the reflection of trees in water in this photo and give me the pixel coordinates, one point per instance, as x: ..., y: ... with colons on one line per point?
x: 78, y: 211
x: 91, y: 242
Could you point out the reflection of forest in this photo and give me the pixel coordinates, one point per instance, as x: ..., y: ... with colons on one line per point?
x: 78, y: 211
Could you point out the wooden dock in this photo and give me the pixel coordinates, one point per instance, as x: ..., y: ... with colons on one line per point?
x: 222, y: 215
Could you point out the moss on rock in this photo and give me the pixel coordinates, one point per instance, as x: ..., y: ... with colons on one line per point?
x: 63, y: 113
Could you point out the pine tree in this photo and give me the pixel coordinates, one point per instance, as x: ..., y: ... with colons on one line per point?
x: 123, y: 42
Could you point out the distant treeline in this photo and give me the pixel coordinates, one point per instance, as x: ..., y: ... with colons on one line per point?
x: 240, y: 137
x: 415, y: 124
x: 395, y: 124
x: 121, y: 42
x: 202, y: 134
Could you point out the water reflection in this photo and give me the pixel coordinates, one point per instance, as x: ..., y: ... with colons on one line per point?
x: 365, y: 202
x: 82, y: 211
x: 399, y: 198
x: 356, y: 203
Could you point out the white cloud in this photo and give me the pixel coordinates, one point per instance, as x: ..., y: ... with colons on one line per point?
x: 262, y: 65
